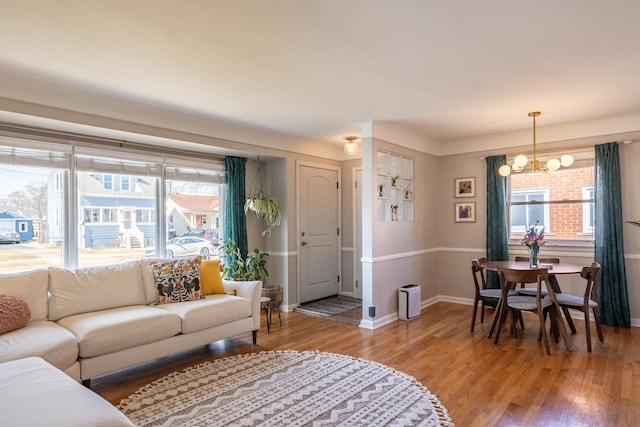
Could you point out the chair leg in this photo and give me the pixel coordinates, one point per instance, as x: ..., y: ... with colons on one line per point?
x: 475, y: 311
x: 587, y: 329
x: 482, y: 312
x: 563, y: 330
x: 596, y: 316
x: 567, y: 316
x: 502, y: 317
x: 543, y: 330
x: 496, y: 318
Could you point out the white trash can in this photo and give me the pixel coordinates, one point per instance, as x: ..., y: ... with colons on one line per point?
x: 408, y: 302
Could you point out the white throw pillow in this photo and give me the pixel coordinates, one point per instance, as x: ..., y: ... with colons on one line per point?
x: 31, y: 287
x: 94, y: 288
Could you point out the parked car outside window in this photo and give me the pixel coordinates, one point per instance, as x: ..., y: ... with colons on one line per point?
x: 9, y: 236
x: 185, y: 246
x: 203, y: 233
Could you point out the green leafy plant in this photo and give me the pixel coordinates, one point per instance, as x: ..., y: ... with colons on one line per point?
x: 235, y: 267
x: 265, y: 207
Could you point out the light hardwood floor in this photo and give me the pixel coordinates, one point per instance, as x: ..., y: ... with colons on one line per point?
x: 481, y: 384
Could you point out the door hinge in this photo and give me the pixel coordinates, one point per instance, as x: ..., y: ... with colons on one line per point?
x: 338, y: 278
x: 357, y: 284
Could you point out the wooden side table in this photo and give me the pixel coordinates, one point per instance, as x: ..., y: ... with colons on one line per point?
x: 271, y: 300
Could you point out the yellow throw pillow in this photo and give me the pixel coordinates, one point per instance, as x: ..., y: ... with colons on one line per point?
x: 210, y: 277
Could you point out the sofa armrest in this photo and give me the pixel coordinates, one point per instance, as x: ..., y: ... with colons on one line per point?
x: 251, y: 290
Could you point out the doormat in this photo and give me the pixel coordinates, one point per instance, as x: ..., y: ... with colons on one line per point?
x: 339, y: 307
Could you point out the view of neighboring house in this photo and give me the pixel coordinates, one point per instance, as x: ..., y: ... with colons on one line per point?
x: 117, y: 210
x: 186, y: 212
x: 19, y: 223
x: 114, y: 210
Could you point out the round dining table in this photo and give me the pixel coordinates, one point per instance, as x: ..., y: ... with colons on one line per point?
x: 553, y: 269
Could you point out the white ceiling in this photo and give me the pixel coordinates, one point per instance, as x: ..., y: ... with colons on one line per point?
x: 317, y: 69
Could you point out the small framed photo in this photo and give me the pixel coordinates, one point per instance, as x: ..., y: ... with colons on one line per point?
x: 465, y: 212
x: 465, y: 187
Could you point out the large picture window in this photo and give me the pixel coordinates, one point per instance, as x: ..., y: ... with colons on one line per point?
x: 562, y: 202
x: 78, y: 206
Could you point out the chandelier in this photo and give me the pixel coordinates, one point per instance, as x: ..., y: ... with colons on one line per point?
x: 350, y: 146
x: 521, y: 161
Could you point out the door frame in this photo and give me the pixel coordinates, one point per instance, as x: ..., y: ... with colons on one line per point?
x: 299, y: 164
x: 357, y: 222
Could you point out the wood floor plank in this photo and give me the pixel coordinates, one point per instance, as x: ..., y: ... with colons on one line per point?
x: 481, y: 384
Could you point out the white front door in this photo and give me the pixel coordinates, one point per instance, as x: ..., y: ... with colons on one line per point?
x: 318, y: 232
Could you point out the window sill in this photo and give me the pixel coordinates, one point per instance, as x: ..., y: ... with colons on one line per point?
x: 568, y: 244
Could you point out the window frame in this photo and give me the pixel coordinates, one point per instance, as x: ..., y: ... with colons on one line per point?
x: 583, y: 158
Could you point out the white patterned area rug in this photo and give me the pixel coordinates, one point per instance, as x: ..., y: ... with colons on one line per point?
x: 286, y: 388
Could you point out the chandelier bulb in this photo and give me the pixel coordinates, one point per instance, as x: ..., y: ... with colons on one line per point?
x: 566, y: 160
x: 553, y: 164
x: 521, y: 161
x: 504, y: 170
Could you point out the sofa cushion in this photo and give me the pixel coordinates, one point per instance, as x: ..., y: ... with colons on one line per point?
x: 116, y: 329
x: 177, y: 280
x: 210, y: 277
x: 31, y: 287
x: 94, y: 288
x: 52, y: 342
x: 36, y: 394
x: 212, y: 311
x: 14, y: 314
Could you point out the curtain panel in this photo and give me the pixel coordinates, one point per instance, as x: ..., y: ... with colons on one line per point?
x: 235, y: 221
x: 497, y: 242
x: 609, y: 251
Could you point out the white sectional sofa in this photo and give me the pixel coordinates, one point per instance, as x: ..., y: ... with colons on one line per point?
x: 93, y: 321
x: 34, y: 394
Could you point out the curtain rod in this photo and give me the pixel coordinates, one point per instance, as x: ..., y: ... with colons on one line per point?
x: 31, y: 131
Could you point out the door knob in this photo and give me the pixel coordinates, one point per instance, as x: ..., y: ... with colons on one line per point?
x: 303, y: 243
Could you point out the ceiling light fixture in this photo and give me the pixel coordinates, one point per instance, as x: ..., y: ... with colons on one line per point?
x: 521, y: 160
x: 350, y: 146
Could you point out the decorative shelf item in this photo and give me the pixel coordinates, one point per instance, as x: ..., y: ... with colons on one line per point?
x: 395, y: 194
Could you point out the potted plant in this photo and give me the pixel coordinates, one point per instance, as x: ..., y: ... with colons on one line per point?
x: 265, y: 207
x: 380, y: 190
x: 394, y: 180
x: 235, y: 267
x: 408, y: 194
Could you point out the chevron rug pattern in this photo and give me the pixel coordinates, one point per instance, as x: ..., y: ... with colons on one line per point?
x: 286, y: 388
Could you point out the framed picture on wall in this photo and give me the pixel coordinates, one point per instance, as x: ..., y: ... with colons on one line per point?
x: 465, y: 187
x: 465, y: 212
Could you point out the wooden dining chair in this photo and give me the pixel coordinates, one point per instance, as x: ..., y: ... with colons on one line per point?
x: 482, y: 293
x: 532, y: 291
x: 585, y: 302
x: 539, y: 305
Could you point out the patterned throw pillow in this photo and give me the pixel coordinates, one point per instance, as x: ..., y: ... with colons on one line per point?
x: 14, y: 314
x: 177, y: 280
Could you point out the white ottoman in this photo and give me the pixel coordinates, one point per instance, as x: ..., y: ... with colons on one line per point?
x: 35, y: 394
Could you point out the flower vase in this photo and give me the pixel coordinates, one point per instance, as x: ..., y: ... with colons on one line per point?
x: 533, y: 256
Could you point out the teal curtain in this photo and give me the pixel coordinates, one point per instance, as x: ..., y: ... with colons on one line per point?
x: 613, y: 296
x: 497, y: 241
x: 235, y: 221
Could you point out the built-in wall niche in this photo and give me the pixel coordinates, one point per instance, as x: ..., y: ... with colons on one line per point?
x: 395, y: 189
